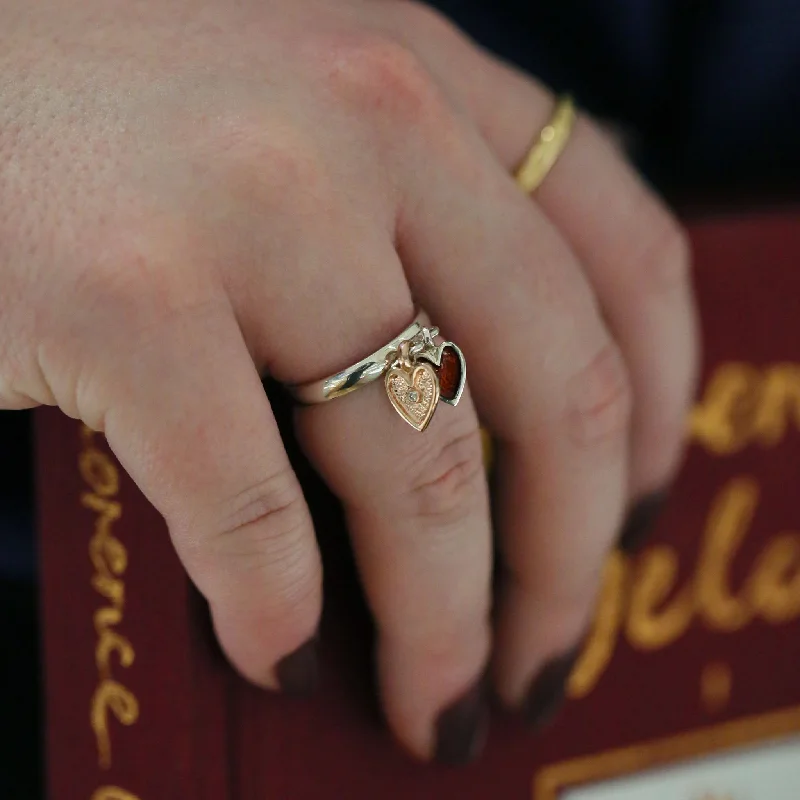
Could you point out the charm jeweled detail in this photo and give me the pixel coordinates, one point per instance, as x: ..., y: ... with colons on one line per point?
x: 414, y: 392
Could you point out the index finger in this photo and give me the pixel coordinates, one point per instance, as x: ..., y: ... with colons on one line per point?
x: 188, y: 418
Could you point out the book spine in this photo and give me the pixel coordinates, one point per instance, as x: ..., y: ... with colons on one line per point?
x: 124, y: 694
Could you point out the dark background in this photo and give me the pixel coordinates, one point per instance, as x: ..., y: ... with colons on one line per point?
x: 709, y: 93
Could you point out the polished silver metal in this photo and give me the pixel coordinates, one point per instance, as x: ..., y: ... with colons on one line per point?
x: 369, y: 369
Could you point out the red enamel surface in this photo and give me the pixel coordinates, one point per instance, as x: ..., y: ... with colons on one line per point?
x: 449, y: 373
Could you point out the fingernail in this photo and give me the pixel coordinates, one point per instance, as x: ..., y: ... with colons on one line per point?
x: 548, y: 689
x: 461, y: 728
x: 298, y: 673
x: 639, y: 523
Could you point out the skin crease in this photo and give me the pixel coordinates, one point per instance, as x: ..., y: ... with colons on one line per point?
x: 194, y: 192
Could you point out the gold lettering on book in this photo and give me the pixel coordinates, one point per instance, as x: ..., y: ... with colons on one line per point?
x: 775, y: 585
x: 652, y: 602
x: 113, y: 793
x: 122, y: 703
x: 745, y: 405
x: 645, y: 600
x: 658, y: 614
x: 658, y: 611
x: 109, y: 558
x: 728, y: 522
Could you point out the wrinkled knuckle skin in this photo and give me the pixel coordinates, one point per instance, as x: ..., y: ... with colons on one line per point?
x: 447, y: 477
x: 264, y: 529
x: 271, y: 510
x: 383, y: 76
x: 599, y: 400
x: 264, y: 535
x: 665, y: 260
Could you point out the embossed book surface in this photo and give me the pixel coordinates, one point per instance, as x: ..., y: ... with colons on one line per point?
x: 693, y: 663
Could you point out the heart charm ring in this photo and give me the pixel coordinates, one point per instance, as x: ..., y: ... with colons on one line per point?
x: 417, y: 373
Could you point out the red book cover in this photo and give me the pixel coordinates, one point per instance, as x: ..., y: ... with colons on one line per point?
x: 695, y: 650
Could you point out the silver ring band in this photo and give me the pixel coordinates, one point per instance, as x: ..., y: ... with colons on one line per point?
x: 369, y: 369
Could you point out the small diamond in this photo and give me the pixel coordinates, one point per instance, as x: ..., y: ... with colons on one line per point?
x: 413, y: 396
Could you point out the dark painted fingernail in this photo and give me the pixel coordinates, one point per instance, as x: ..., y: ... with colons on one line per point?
x: 298, y: 673
x: 640, y: 521
x: 548, y: 689
x: 461, y: 728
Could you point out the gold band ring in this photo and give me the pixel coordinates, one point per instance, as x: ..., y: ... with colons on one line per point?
x: 547, y: 147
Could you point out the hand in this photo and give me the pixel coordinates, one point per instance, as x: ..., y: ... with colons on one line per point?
x: 194, y: 192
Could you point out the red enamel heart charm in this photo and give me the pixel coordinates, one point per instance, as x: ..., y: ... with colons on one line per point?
x: 451, y: 370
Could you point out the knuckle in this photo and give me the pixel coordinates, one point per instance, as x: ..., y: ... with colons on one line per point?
x: 599, y: 399
x: 266, y: 521
x: 261, y: 537
x: 133, y: 275
x: 664, y: 259
x: 270, y: 510
x: 449, y: 481
x: 261, y: 160
x: 147, y: 276
x: 385, y: 76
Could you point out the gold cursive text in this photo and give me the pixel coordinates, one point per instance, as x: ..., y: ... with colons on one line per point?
x: 645, y: 599
x: 109, y: 558
x: 113, y: 793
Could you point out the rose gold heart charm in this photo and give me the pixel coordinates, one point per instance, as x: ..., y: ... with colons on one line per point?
x: 414, y: 392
